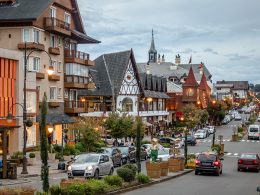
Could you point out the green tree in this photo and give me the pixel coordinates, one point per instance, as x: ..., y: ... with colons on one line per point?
x: 204, y: 116
x: 119, y: 126
x: 192, y: 118
x: 44, y: 147
x: 216, y: 110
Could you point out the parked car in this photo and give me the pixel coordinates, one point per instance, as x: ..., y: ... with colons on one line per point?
x: 248, y: 161
x: 200, y: 134
x: 211, y: 129
x: 164, y: 154
x: 115, y: 154
x: 108, y: 139
x: 207, y: 131
x: 91, y: 165
x: 258, y: 118
x: 128, y: 154
x: 179, y: 142
x: 144, y: 154
x: 147, y: 148
x: 253, y: 132
x: 191, y: 140
x: 208, y: 162
x: 166, y: 140
x: 238, y: 117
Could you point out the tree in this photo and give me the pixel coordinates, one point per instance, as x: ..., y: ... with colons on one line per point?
x: 216, y: 110
x: 204, y: 116
x: 191, y: 119
x: 119, y: 126
x: 44, y: 148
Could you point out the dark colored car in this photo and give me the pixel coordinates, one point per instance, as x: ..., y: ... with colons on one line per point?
x: 166, y: 140
x: 191, y: 140
x: 128, y: 154
x: 144, y: 154
x: 208, y: 162
x: 115, y: 154
x: 248, y: 162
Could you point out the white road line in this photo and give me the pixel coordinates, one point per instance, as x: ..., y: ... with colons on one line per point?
x: 243, y: 140
x: 204, y: 140
x: 235, y: 154
x: 209, y: 140
x: 258, y: 141
x: 253, y: 141
x: 197, y: 153
x: 224, y: 140
x: 248, y: 141
x: 228, y: 140
x: 228, y: 154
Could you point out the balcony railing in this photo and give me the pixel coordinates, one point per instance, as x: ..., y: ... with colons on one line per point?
x: 72, y: 56
x: 57, y: 26
x: 73, y: 81
x: 74, y: 107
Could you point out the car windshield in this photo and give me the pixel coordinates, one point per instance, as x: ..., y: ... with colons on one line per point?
x: 248, y: 156
x: 253, y: 129
x: 89, y: 158
x: 206, y: 157
x: 164, y: 151
x: 200, y: 131
x: 107, y: 151
x: 189, y: 137
x: 124, y: 150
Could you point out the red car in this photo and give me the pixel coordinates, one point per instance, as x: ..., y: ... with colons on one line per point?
x: 248, y: 162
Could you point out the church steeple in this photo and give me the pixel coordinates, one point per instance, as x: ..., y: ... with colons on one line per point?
x: 152, y: 54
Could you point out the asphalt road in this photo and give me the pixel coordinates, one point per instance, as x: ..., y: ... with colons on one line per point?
x: 231, y: 182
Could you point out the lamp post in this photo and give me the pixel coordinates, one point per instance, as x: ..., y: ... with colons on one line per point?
x: 214, y: 133
x: 25, y: 121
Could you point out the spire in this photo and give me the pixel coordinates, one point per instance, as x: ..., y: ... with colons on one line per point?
x: 203, y: 83
x: 152, y: 51
x: 190, y: 81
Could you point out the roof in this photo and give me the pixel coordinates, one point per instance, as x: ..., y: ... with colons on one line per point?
x: 203, y: 83
x: 155, y: 94
x: 109, y: 70
x: 257, y: 88
x: 152, y: 48
x: 54, y: 118
x: 190, y: 81
x: 238, y: 85
x: 166, y: 69
x: 24, y: 10
x: 173, y: 87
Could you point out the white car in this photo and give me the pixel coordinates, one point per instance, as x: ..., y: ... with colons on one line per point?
x: 179, y: 143
x: 200, y: 134
x: 147, y: 148
x: 211, y: 129
x: 91, y: 165
x: 164, y: 154
x: 238, y: 117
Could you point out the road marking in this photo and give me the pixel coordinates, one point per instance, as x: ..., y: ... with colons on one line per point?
x: 243, y: 140
x: 235, y: 154
x: 253, y: 141
x: 228, y: 140
x: 224, y: 140
x: 209, y: 140
x: 197, y: 153
x: 204, y: 140
x: 248, y: 141
x: 228, y: 154
x: 258, y: 141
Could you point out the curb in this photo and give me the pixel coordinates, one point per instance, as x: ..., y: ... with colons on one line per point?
x: 128, y: 189
x: 38, y: 175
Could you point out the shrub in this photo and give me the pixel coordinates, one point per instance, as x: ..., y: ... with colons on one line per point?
x: 216, y: 148
x: 57, y: 155
x: 77, y: 152
x: 80, y: 146
x: 126, y: 174
x: 240, y: 130
x: 75, y: 189
x: 55, y: 190
x: 143, y: 178
x: 113, y: 180
x: 57, y: 148
x: 32, y: 155
x: 17, y: 154
x: 131, y: 167
x: 69, y: 150
x: 166, y: 145
x: 96, y: 187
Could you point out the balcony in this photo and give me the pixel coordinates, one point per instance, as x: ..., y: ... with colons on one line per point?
x: 54, y: 77
x: 54, y: 50
x: 72, y: 56
x: 77, y: 82
x: 31, y: 45
x: 40, y: 75
x: 73, y: 107
x: 53, y: 104
x: 57, y: 26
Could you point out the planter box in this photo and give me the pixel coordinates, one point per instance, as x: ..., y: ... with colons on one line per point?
x: 31, y: 161
x: 27, y: 193
x: 164, y: 168
x: 234, y: 138
x: 181, y: 161
x: 67, y: 182
x: 174, y: 165
x: 153, y: 170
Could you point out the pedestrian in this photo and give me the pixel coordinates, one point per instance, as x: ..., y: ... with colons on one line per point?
x: 115, y: 143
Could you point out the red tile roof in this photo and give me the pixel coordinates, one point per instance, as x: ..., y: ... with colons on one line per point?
x: 190, y: 81
x: 203, y: 83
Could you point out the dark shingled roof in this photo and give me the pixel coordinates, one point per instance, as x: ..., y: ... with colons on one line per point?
x: 243, y: 85
x: 24, y: 10
x: 110, y: 69
x: 55, y: 118
x: 257, y: 88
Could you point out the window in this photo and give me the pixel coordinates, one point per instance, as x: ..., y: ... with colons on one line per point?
x: 59, y: 92
x: 53, y: 93
x: 59, y: 41
x: 127, y: 105
x: 54, y: 65
x: 52, y: 41
x: 66, y: 93
x: 36, y: 36
x: 67, y: 18
x: 36, y: 64
x: 76, y: 69
x: 31, y: 101
x: 59, y: 67
x: 26, y: 35
x: 53, y: 12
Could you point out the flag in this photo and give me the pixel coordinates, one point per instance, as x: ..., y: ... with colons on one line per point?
x: 190, y: 60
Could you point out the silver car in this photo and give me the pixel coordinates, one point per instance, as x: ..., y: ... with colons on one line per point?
x: 91, y: 165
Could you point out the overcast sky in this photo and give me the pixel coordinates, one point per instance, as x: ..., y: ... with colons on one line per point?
x: 224, y: 34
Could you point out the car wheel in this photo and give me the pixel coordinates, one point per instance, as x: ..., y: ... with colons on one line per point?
x: 238, y: 169
x: 196, y: 172
x: 96, y: 174
x: 145, y: 157
x: 111, y: 171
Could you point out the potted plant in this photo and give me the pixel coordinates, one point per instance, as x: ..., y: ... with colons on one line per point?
x: 31, y: 160
x: 174, y: 165
x: 164, y: 165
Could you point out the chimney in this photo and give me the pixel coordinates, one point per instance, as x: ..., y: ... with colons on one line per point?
x: 178, y: 59
x: 159, y: 59
x: 173, y: 66
x: 163, y: 59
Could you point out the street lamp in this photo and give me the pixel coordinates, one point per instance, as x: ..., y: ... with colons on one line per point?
x: 214, y: 133
x: 26, y: 57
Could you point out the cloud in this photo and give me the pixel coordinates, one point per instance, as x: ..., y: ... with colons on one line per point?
x: 236, y: 57
x: 209, y: 50
x: 187, y: 51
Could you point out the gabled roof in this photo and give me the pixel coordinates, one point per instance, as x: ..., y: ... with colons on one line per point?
x: 109, y: 71
x: 190, y: 81
x: 238, y: 85
x: 203, y: 83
